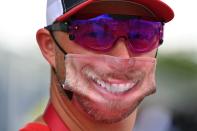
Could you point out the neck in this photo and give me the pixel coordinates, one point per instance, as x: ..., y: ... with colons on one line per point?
x: 76, y: 120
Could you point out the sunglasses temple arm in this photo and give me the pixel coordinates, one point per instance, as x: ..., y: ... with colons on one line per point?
x: 58, y: 27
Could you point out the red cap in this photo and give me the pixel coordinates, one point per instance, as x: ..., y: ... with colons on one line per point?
x: 146, y: 8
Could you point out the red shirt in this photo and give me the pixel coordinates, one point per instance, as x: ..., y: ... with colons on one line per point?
x: 52, y: 119
x: 35, y: 127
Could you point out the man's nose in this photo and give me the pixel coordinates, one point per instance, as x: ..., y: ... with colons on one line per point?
x: 120, y: 49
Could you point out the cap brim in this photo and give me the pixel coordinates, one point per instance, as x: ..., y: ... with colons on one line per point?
x: 154, y: 9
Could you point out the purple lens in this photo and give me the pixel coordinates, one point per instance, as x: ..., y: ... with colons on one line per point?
x: 144, y: 35
x: 92, y: 34
x: 100, y: 33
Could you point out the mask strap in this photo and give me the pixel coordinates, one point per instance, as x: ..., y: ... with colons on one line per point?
x: 156, y: 53
x: 61, y: 66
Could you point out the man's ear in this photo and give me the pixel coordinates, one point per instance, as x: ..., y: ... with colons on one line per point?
x: 47, y: 46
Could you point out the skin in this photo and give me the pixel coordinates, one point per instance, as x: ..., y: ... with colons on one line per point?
x: 76, y: 118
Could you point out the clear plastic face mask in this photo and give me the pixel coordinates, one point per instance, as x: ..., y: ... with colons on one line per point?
x: 109, y: 88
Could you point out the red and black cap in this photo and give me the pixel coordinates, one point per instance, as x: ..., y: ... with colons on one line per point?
x: 60, y: 10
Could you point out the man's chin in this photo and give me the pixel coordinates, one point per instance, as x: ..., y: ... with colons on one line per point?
x: 110, y: 113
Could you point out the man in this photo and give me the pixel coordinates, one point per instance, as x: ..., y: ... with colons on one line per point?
x: 102, y: 57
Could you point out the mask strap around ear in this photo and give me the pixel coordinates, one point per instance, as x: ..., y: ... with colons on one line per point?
x: 156, y: 54
x: 60, y: 75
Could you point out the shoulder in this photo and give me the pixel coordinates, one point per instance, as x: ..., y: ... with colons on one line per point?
x: 35, y: 127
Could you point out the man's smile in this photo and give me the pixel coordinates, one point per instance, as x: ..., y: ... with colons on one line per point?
x: 111, y: 85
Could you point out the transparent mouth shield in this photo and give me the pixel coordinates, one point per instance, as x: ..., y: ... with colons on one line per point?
x: 101, y: 77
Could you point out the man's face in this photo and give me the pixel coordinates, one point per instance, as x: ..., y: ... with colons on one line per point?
x: 111, y: 107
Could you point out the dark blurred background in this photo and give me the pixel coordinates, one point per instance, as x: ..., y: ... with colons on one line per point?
x: 25, y: 75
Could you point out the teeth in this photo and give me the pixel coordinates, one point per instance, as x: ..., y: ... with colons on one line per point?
x: 113, y: 88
